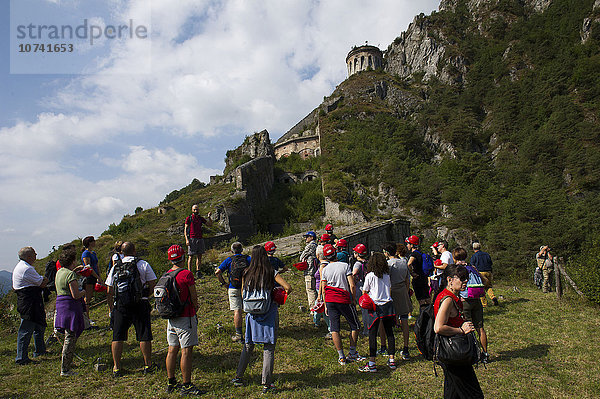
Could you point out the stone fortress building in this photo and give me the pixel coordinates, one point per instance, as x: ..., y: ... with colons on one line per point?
x: 364, y: 58
x: 304, y: 138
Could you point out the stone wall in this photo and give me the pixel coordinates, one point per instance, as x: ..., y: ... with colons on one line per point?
x: 307, y: 146
x: 345, y: 216
x: 374, y: 237
x: 256, y: 178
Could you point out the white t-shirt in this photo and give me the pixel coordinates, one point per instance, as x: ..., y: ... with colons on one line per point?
x: 378, y: 288
x: 146, y: 272
x: 24, y: 275
x: 445, y: 257
x: 336, y: 274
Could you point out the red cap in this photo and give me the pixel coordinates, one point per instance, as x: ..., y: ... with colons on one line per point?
x: 414, y: 240
x: 175, y: 252
x: 325, y: 237
x: 86, y: 271
x: 360, y: 249
x: 437, y: 262
x: 318, y: 307
x: 329, y: 227
x: 341, y: 243
x: 435, y: 244
x: 270, y: 246
x: 301, y: 266
x: 328, y: 250
x: 279, y: 295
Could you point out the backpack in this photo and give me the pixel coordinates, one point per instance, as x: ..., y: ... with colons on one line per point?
x: 238, y: 265
x: 167, y: 301
x: 424, y: 333
x: 475, y: 288
x: 256, y: 301
x: 127, y: 284
x: 362, y: 272
x: 428, y: 267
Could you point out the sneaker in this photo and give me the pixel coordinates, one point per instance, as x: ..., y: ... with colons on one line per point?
x: 327, y: 336
x: 69, y: 373
x: 191, y: 390
x: 391, y: 364
x: 24, y: 362
x: 405, y: 355
x: 173, y: 387
x: 270, y: 388
x: 355, y: 357
x: 117, y: 373
x: 367, y: 369
x: 237, y: 382
x: 237, y: 337
x: 382, y: 352
x: 150, y: 369
x: 342, y: 361
x: 495, y: 300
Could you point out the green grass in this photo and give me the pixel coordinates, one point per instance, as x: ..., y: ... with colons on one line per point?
x: 540, y: 347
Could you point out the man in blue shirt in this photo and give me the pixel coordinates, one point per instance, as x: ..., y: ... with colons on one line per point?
x: 234, y: 266
x: 483, y: 263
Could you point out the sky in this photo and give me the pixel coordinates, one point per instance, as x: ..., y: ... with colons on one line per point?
x: 112, y: 123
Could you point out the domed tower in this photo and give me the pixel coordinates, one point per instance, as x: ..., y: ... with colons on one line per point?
x: 362, y: 58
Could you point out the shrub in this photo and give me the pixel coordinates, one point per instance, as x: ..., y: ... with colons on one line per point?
x: 584, y: 269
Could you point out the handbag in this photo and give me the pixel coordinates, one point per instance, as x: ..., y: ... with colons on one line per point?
x: 457, y: 350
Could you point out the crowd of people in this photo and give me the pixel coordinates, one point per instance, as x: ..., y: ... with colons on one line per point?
x: 336, y: 280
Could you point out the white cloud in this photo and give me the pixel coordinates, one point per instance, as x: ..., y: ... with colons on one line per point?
x: 111, y: 141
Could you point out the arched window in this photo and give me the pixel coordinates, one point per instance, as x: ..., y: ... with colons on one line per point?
x: 370, y: 62
x: 362, y: 62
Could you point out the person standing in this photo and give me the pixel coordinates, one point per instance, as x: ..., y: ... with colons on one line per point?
x: 234, y: 266
x: 339, y: 288
x: 332, y: 237
x: 446, y: 259
x: 28, y: 285
x: 193, y: 237
x: 547, y: 271
x: 378, y: 287
x: 69, y: 309
x: 129, y: 283
x: 459, y: 381
x: 90, y: 259
x: 342, y: 250
x: 482, y: 261
x: 309, y: 255
x: 415, y: 265
x: 182, y: 331
x: 261, y: 328
x: 399, y: 280
x: 359, y: 271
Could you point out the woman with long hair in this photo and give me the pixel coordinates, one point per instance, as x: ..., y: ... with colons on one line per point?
x: 459, y: 381
x: 378, y: 286
x: 69, y: 308
x: 261, y: 328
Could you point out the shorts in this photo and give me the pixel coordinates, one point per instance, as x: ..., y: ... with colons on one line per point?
x: 473, y: 312
x: 235, y: 298
x: 138, y: 315
x: 421, y: 288
x: 196, y: 246
x: 90, y: 280
x: 399, y: 294
x: 182, y: 331
x: 336, y: 310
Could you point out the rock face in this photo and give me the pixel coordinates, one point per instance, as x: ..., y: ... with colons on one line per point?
x: 345, y: 216
x: 416, y: 50
x: 255, y: 146
x: 590, y: 22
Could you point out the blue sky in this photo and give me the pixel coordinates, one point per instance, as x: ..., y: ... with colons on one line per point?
x: 80, y: 150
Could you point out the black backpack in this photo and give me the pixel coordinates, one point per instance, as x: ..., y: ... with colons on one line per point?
x: 424, y: 333
x: 238, y: 265
x: 127, y: 284
x: 167, y: 301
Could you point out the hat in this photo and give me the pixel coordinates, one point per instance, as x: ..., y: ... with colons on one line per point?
x: 329, y: 227
x: 311, y: 233
x: 175, y: 252
x: 328, y: 250
x: 270, y: 246
x: 325, y: 237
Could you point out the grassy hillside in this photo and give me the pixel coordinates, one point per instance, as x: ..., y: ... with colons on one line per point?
x: 517, y: 153
x: 539, y: 348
